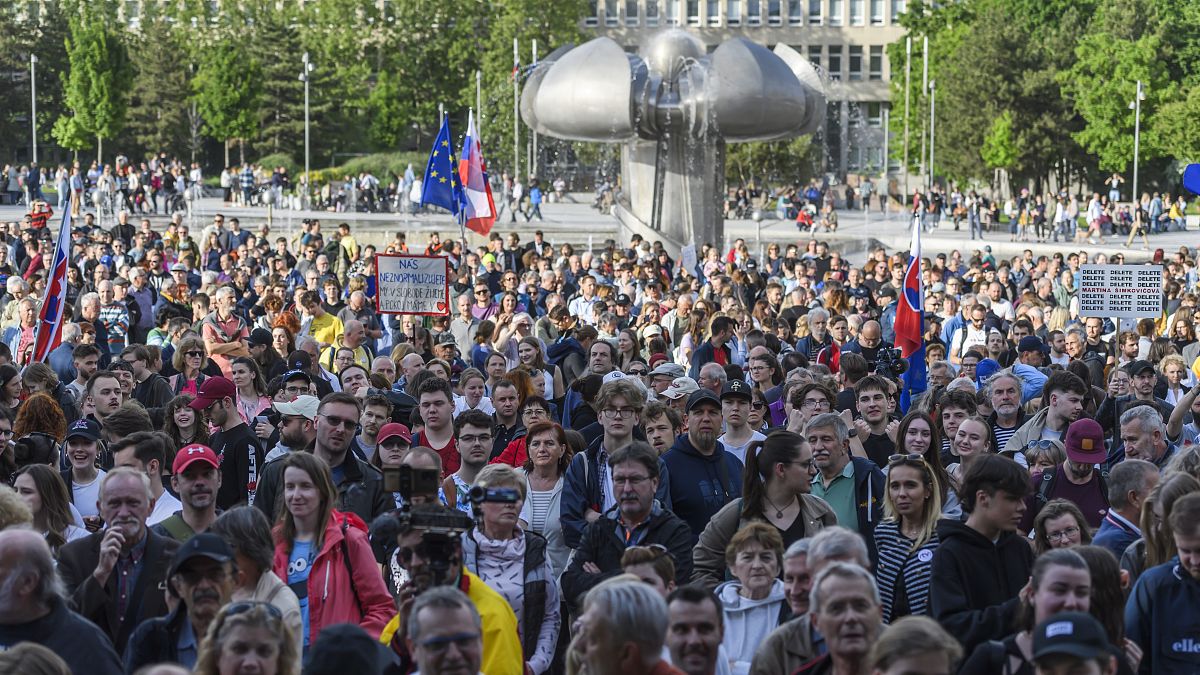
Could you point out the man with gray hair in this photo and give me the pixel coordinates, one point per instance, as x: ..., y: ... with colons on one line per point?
x: 62, y: 358
x: 712, y: 377
x: 1004, y: 390
x: 853, y: 486
x: 33, y: 609
x: 622, y: 629
x: 445, y: 633
x: 224, y: 332
x: 116, y: 576
x: 1144, y: 436
x: 818, y: 337
x: 845, y: 608
x: 1129, y: 483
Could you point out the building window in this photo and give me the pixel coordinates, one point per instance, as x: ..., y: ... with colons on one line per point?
x: 876, y: 12
x: 814, y: 12
x: 672, y: 12
x: 898, y: 8
x: 631, y: 12
x: 836, y: 7
x: 693, y: 12
x: 856, y: 63
x: 814, y: 56
x: 876, y: 66
x: 754, y: 12
x: 733, y: 12
x: 651, y: 12
x: 611, y: 16
x: 875, y: 115
x: 835, y: 62
x: 593, y: 12
x: 795, y: 12
x: 856, y: 12
x: 774, y: 12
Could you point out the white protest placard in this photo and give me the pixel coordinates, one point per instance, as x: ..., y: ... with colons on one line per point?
x: 1128, y: 291
x: 687, y: 259
x: 412, y: 284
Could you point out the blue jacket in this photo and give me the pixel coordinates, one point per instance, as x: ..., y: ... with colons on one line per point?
x: 804, y: 345
x: 1163, y: 618
x: 701, y: 485
x: 581, y: 491
x: 1115, y: 535
x: 62, y: 361
x: 705, y: 354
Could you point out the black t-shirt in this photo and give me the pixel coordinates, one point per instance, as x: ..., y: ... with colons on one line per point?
x: 241, y: 465
x: 879, y: 447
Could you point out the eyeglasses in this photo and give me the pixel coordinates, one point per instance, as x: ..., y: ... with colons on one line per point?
x: 350, y: 424
x: 535, y: 412
x: 905, y: 457
x: 233, y: 609
x: 632, y: 481
x: 815, y: 403
x: 1063, y: 535
x: 461, y: 641
x: 618, y: 412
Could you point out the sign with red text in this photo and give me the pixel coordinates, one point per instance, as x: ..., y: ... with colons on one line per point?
x: 1129, y: 291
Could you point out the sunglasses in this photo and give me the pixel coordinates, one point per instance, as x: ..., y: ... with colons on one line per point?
x: 350, y: 424
x: 905, y: 457
x: 236, y: 608
x: 193, y: 354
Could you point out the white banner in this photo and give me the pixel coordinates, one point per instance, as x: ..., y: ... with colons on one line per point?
x: 412, y: 284
x: 1129, y: 291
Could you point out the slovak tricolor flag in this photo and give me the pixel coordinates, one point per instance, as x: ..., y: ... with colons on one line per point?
x: 53, y: 312
x: 479, y: 211
x: 910, y: 324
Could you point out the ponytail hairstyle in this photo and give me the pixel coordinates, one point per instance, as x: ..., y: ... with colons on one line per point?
x: 780, y: 447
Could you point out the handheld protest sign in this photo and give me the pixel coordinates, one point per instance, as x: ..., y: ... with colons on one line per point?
x: 412, y: 284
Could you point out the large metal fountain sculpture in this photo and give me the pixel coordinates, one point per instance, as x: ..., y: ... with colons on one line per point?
x: 674, y: 107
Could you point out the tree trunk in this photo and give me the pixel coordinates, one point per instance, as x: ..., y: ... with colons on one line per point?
x: 100, y: 152
x: 226, y: 145
x: 241, y: 151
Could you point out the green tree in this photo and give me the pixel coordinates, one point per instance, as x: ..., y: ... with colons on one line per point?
x: 158, y: 113
x: 389, y: 116
x: 98, y: 82
x: 227, y: 90
x: 999, y: 149
x: 777, y: 162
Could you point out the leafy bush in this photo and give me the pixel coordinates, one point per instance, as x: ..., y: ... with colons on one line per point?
x: 281, y: 159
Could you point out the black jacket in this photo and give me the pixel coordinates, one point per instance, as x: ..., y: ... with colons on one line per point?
x: 701, y: 485
x: 156, y: 640
x: 603, y: 546
x: 153, y: 392
x: 98, y: 604
x: 975, y: 582
x: 360, y: 492
x: 85, y: 648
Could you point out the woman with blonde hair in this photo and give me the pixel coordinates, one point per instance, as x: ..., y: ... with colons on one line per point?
x: 1175, y: 371
x: 1058, y: 319
x: 906, y: 538
x: 189, y: 361
x: 248, y: 636
x: 531, y: 355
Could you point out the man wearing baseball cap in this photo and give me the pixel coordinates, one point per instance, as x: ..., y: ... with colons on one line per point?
x: 202, y: 576
x: 1143, y: 378
x: 736, y: 399
x: 1077, y: 480
x: 664, y: 374
x: 703, y: 477
x: 264, y: 354
x: 237, y: 448
x: 1073, y: 642
x: 196, y: 478
x: 297, y: 425
x: 677, y: 394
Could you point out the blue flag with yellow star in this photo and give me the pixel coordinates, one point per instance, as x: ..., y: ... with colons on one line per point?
x: 441, y: 186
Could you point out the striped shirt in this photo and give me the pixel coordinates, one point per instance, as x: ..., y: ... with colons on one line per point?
x: 897, y: 560
x: 539, y: 506
x: 1002, y: 435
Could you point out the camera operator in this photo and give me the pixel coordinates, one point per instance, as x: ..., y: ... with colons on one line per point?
x: 868, y: 343
x: 425, y: 545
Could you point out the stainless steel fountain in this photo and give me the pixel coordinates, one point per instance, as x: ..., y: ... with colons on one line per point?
x: 673, y: 108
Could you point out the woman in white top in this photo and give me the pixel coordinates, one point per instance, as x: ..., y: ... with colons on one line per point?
x: 473, y: 385
x: 44, y: 492
x: 548, y: 458
x: 531, y: 354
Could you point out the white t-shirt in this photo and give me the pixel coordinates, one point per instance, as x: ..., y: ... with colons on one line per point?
x: 739, y: 451
x: 166, y: 505
x: 85, y: 496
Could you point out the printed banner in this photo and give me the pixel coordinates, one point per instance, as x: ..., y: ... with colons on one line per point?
x: 412, y: 284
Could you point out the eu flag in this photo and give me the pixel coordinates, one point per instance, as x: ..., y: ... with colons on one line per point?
x: 441, y: 186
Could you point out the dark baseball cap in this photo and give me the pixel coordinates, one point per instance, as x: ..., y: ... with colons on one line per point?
x: 299, y: 360
x: 84, y: 428
x: 1075, y: 634
x: 1140, y: 366
x: 260, y: 337
x: 702, y: 396
x: 736, y: 389
x: 623, y: 300
x: 203, y: 545
x: 1030, y: 343
x: 212, y: 390
x: 293, y: 374
x: 1084, y: 441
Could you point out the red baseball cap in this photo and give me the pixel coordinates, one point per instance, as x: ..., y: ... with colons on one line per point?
x: 393, y: 429
x: 211, y: 390
x: 190, y: 454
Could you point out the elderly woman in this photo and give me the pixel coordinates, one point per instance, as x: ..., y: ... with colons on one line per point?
x: 248, y: 637
x: 1060, y: 524
x: 496, y: 549
x: 189, y: 361
x: 549, y: 457
x: 754, y: 603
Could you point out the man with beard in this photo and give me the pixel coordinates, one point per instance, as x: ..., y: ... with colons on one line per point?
x: 359, y: 485
x: 196, y: 478
x: 846, y: 610
x: 1145, y: 437
x: 1004, y: 389
x: 703, y: 476
x: 853, y: 486
x: 202, y: 579
x: 695, y: 629
x: 1076, y: 479
x: 241, y: 459
x: 622, y: 630
x: 115, y: 576
x: 297, y: 425
x: 1063, y: 394
x: 1142, y: 380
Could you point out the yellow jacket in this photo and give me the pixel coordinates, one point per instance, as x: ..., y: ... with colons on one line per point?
x: 501, y: 645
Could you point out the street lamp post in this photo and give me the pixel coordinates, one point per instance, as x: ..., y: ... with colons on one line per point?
x: 1136, y: 106
x: 33, y: 100
x: 932, y: 128
x: 306, y: 69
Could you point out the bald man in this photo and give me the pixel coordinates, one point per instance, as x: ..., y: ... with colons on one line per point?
x: 868, y: 343
x: 384, y: 366
x: 33, y: 609
x: 354, y: 338
x: 410, y: 365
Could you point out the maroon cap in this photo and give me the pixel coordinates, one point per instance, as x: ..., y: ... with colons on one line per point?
x: 190, y: 454
x: 211, y: 390
x: 1084, y: 441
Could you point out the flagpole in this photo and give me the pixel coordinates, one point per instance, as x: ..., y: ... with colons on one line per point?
x: 516, y: 129
x: 462, y: 212
x: 36, y: 357
x: 533, y: 133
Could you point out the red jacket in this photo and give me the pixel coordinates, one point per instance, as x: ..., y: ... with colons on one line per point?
x: 514, y: 455
x: 331, y: 598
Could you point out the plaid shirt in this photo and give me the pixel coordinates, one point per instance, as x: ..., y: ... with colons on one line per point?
x: 246, y: 178
x: 127, y: 570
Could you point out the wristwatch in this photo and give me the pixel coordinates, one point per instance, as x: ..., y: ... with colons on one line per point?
x: 853, y: 432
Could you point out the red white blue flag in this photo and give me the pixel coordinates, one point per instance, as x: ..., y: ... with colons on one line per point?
x: 910, y: 324
x: 54, y: 304
x: 478, y: 210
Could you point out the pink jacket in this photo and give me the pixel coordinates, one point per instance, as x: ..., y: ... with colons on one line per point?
x: 331, y: 598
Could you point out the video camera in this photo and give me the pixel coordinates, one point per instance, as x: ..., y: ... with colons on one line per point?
x: 889, y: 363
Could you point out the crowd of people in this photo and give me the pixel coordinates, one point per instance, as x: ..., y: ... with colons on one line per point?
x: 597, y: 462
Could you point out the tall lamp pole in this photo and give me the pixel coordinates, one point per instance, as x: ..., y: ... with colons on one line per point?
x: 1136, y: 105
x: 306, y: 68
x: 907, y: 95
x: 932, y: 128
x: 33, y: 100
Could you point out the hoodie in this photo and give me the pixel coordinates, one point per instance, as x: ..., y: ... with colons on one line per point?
x: 975, y: 582
x: 701, y: 485
x: 1161, y: 616
x: 748, y: 622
